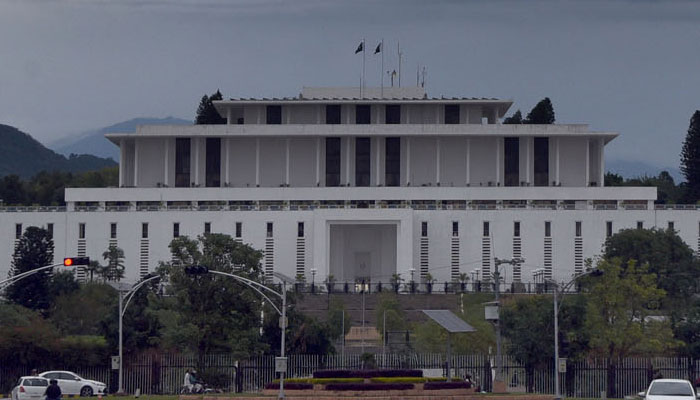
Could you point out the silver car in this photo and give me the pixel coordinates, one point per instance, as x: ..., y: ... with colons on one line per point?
x: 30, y: 388
x: 669, y: 389
x: 71, y: 383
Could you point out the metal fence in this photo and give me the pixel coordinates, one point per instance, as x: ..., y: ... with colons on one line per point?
x: 164, y: 373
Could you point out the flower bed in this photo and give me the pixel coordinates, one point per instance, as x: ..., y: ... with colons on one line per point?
x: 371, y: 373
x: 322, y: 381
x: 368, y: 386
x: 405, y: 379
x: 446, y: 385
x: 290, y: 386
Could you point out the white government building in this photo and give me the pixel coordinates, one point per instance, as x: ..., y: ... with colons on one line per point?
x: 359, y: 186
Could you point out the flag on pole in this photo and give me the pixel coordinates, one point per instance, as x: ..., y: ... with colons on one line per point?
x: 360, y: 48
x: 379, y: 48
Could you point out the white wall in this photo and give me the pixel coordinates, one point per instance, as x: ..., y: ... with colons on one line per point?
x: 423, y: 164
x: 302, y: 162
x: 150, y: 162
x: 453, y: 161
x: 483, y: 161
x: 572, y: 161
x: 272, y: 162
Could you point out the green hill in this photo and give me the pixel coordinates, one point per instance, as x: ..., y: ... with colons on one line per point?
x: 22, y: 155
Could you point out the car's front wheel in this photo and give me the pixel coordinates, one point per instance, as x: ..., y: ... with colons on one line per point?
x: 86, y: 391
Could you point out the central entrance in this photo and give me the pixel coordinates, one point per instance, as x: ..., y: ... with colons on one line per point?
x: 363, y: 251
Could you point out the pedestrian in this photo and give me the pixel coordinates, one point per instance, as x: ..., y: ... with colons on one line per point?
x: 188, y: 381
x: 53, y: 391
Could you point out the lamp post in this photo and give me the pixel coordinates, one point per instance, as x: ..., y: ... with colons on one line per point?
x: 497, y: 278
x: 313, y: 279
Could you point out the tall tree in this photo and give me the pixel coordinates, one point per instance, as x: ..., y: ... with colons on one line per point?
x: 114, y: 270
x: 516, y: 118
x: 206, y: 112
x: 34, y: 250
x: 542, y: 113
x: 690, y: 157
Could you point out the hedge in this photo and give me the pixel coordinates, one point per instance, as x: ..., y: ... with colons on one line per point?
x: 446, y: 385
x: 290, y: 386
x: 370, y: 373
x: 320, y: 381
x: 406, y: 379
x: 369, y: 386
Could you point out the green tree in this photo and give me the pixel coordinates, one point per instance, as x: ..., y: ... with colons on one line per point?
x: 338, y: 318
x: 12, y: 190
x: 114, y: 270
x: 690, y: 157
x: 206, y: 112
x: 82, y: 312
x: 62, y: 283
x: 516, y: 118
x: 389, y: 305
x: 34, y: 250
x: 304, y: 334
x: 542, y: 113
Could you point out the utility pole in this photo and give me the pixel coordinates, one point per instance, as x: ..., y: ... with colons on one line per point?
x: 497, y: 288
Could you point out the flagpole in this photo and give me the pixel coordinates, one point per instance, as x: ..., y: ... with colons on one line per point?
x: 381, y: 72
x: 364, y: 52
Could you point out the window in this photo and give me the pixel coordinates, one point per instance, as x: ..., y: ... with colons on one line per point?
x: 213, y: 163
x: 608, y: 228
x: 274, y: 115
x: 516, y: 229
x: 49, y: 229
x: 240, y: 121
x: 81, y: 230
x: 207, y: 227
x: 511, y: 161
x: 455, y: 228
x: 362, y: 161
x: 176, y: 229
x: 333, y: 161
x: 300, y: 229
x: 578, y: 228
x: 671, y: 225
x: 333, y: 114
x: 424, y: 229
x: 182, y: 162
x: 486, y: 228
x: 452, y: 113
x: 640, y: 224
x: 144, y: 230
x: 18, y: 231
x: 547, y: 229
x: 392, y: 166
x: 269, y: 229
x: 239, y: 229
x: 393, y: 114
x: 113, y: 230
x: 541, y: 161
x: 363, y: 114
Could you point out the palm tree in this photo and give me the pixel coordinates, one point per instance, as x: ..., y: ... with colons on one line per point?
x: 114, y: 270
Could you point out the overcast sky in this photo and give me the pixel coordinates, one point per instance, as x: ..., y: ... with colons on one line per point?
x: 626, y: 66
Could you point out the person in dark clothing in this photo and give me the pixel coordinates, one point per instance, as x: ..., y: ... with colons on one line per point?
x: 53, y: 392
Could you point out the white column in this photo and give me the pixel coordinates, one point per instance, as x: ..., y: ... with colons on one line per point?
x: 318, y: 114
x: 556, y: 160
x: 122, y: 161
x: 166, y: 163
x: 437, y: 162
x: 347, y: 161
x: 498, y: 160
x: 196, y: 161
x: 228, y: 116
x: 437, y: 113
x: 467, y: 152
x: 408, y: 160
x: 588, y: 163
x: 318, y: 161
x: 286, y: 160
x: 287, y: 114
x: 227, y: 160
x: 527, y: 159
x: 136, y: 163
x: 257, y: 162
x: 601, y: 160
x: 378, y: 151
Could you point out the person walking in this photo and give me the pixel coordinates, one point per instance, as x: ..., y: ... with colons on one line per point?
x: 53, y: 391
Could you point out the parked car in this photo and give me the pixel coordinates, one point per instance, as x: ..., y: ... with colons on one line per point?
x: 30, y: 388
x: 71, y: 383
x: 669, y: 389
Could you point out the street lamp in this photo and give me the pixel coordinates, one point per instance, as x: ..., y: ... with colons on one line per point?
x: 313, y: 279
x: 68, y: 262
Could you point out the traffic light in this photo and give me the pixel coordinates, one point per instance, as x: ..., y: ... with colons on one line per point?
x: 196, y: 270
x: 71, y: 261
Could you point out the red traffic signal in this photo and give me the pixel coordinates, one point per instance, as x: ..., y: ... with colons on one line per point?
x: 196, y: 270
x: 71, y: 261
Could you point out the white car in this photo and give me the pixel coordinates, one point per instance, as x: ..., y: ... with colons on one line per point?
x: 30, y: 388
x: 669, y: 389
x: 71, y: 383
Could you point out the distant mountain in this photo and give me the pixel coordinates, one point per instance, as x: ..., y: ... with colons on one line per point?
x: 22, y: 155
x: 93, y: 141
x: 635, y: 169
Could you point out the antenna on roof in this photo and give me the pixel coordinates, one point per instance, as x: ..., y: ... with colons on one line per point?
x: 425, y: 73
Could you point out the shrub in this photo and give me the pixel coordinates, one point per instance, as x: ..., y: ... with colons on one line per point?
x: 320, y: 381
x: 446, y: 385
x: 371, y: 373
x: 369, y: 386
x: 290, y: 385
x: 398, y: 379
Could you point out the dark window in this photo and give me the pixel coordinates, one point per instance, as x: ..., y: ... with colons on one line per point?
x: 207, y: 227
x: 640, y: 224
x: 363, y: 114
x: 182, y: 162
x: 240, y: 121
x: 332, y: 161
x: 269, y: 229
x: 392, y: 173
x: 424, y: 229
x: 455, y: 228
x: 176, y: 229
x: 49, y: 229
x: 608, y: 228
x: 547, y: 229
x: 213, y: 162
x: 578, y: 228
x: 452, y: 114
x: 541, y: 162
x: 393, y: 114
x: 671, y: 225
x: 300, y: 229
x: 511, y: 161
x: 274, y: 115
x: 113, y: 230
x: 516, y: 229
x: 81, y: 230
x: 144, y: 230
x: 362, y: 161
x: 333, y: 114
x: 18, y: 231
x: 239, y: 229
x: 486, y: 228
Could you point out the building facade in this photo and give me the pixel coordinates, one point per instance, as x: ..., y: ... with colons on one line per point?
x: 360, y: 188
